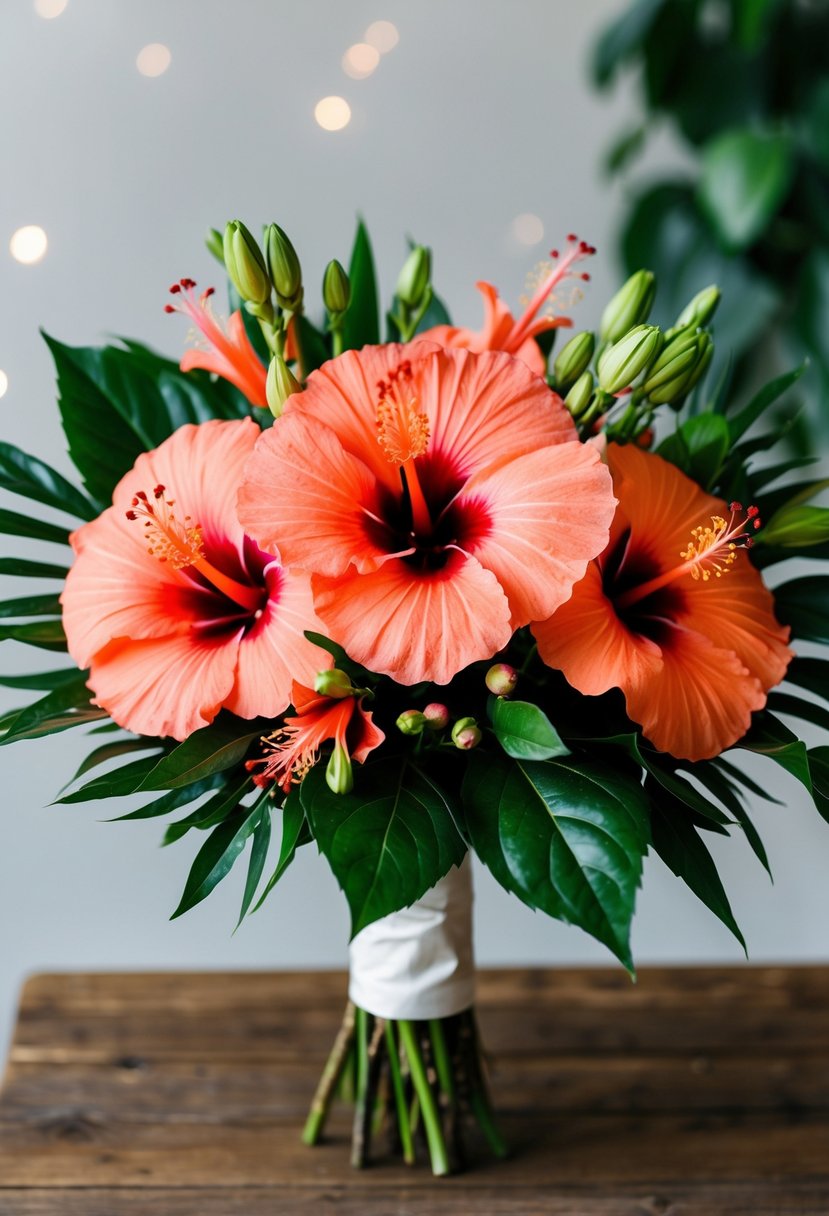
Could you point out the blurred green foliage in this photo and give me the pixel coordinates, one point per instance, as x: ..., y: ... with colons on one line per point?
x: 745, y: 84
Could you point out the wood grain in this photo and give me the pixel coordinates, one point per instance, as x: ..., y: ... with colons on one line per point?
x: 697, y: 1090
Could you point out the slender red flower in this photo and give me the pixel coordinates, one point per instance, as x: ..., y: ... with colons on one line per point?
x: 226, y: 351
x: 672, y: 613
x: 294, y: 749
x: 175, y: 611
x: 439, y: 499
x: 501, y: 331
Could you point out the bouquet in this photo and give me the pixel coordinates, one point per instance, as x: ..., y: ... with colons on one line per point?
x: 452, y: 591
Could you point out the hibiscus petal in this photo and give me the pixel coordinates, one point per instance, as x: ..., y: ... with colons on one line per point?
x: 305, y: 497
x: 414, y: 625
x: 164, y: 686
x: 549, y: 513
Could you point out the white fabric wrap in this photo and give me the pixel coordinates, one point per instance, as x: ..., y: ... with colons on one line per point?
x: 418, y: 963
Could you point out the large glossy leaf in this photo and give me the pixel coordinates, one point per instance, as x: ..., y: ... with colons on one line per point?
x: 31, y: 478
x: 295, y: 833
x: 216, y: 856
x: 745, y: 177
x: 387, y: 842
x: 32, y: 528
x: 811, y: 674
x: 566, y: 836
x: 802, y: 604
x: 212, y: 749
x: 698, y: 447
x: 362, y: 320
x: 524, y: 731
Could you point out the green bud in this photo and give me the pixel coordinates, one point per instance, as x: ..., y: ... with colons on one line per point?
x: 466, y: 734
x: 700, y: 310
x: 413, y: 280
x: 574, y: 359
x: 336, y: 289
x: 339, y: 776
x: 286, y: 273
x: 669, y: 376
x: 411, y: 722
x: 578, y: 399
x: 705, y: 353
x: 215, y: 245
x: 630, y: 306
x: 245, y: 263
x: 333, y: 683
x: 622, y: 362
x: 280, y: 384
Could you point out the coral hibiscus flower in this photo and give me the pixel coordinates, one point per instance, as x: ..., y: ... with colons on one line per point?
x: 501, y: 331
x: 439, y: 499
x: 672, y: 613
x: 176, y: 612
x: 294, y: 749
x: 227, y: 352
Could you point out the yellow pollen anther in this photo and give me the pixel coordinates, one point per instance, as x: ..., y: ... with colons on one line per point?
x: 711, y: 551
x: 402, y: 431
x: 169, y: 539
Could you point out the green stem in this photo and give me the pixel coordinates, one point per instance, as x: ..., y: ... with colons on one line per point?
x: 337, y: 341
x: 443, y: 1064
x: 321, y: 1104
x: 428, y: 1107
x: 403, y: 1125
x: 479, y: 1099
x: 531, y: 653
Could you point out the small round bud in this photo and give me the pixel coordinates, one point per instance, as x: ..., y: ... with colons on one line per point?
x: 411, y: 722
x: 339, y: 776
x: 333, y: 683
x: 436, y: 715
x: 286, y: 272
x: 580, y: 395
x: 466, y: 734
x: 626, y: 359
x: 630, y: 306
x: 336, y: 289
x: 574, y: 359
x: 245, y: 263
x: 501, y: 679
x: 280, y: 384
x: 700, y: 310
x: 413, y: 280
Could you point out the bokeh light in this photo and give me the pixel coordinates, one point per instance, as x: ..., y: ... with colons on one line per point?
x: 154, y: 59
x: 383, y: 35
x: 4, y: 383
x: 332, y: 113
x: 360, y: 60
x: 527, y: 229
x: 28, y: 244
x: 50, y: 8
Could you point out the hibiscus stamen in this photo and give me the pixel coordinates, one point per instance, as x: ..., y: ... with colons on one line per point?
x: 710, y: 553
x: 561, y: 269
x: 403, y: 434
x: 180, y: 543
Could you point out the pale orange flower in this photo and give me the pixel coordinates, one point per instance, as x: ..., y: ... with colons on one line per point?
x: 227, y: 351
x: 501, y: 331
x: 175, y: 611
x: 672, y: 613
x: 440, y: 499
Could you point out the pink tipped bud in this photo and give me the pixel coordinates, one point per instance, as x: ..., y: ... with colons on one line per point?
x: 501, y: 679
x: 436, y: 715
x: 411, y: 722
x: 466, y: 734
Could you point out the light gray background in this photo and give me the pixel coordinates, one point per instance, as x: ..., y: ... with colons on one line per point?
x: 482, y: 112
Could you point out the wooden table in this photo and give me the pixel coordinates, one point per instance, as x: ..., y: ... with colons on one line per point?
x: 696, y: 1091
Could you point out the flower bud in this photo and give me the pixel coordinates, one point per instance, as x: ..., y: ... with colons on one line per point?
x: 333, y: 683
x: 286, y: 273
x: 578, y: 399
x: 436, y: 716
x: 336, y: 289
x: 501, y: 679
x: 245, y: 263
x: 215, y: 244
x: 466, y: 734
x: 280, y: 383
x: 700, y: 310
x: 413, y: 280
x: 573, y: 359
x: 622, y: 362
x: 705, y: 353
x: 668, y: 377
x: 630, y: 306
x: 339, y: 776
x: 411, y: 722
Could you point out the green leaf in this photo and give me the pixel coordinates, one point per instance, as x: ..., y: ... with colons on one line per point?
x: 737, y: 775
x: 624, y: 149
x: 31, y: 528
x: 108, y: 751
x: 796, y: 527
x: 524, y: 731
x: 724, y: 789
x: 802, y: 604
x: 565, y: 836
x: 819, y: 768
x: 116, y: 784
x: 812, y: 674
x: 216, y: 810
x: 258, y: 856
x: 31, y: 605
x: 361, y: 324
x: 217, y: 855
x: 295, y: 833
x: 797, y: 707
x: 313, y: 351
x: 676, y: 841
x: 42, y: 679
x: 698, y: 447
x: 388, y: 842
x: 47, y: 634
x: 768, y: 394
x: 31, y: 478
x: 174, y: 800
x: 769, y: 737
x: 209, y: 750
x: 623, y: 38
x: 745, y: 177
x: 19, y: 567
x: 65, y: 706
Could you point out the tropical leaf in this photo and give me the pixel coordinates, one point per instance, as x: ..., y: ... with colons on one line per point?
x: 258, y: 857
x: 802, y: 604
x: 217, y: 855
x: 361, y: 324
x: 69, y: 704
x: 31, y: 528
x: 20, y: 567
x: 295, y: 833
x: 216, y: 810
x: 46, y: 634
x: 115, y: 784
x: 210, y: 750
x: 30, y: 605
x: 524, y: 731
x: 31, y: 478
